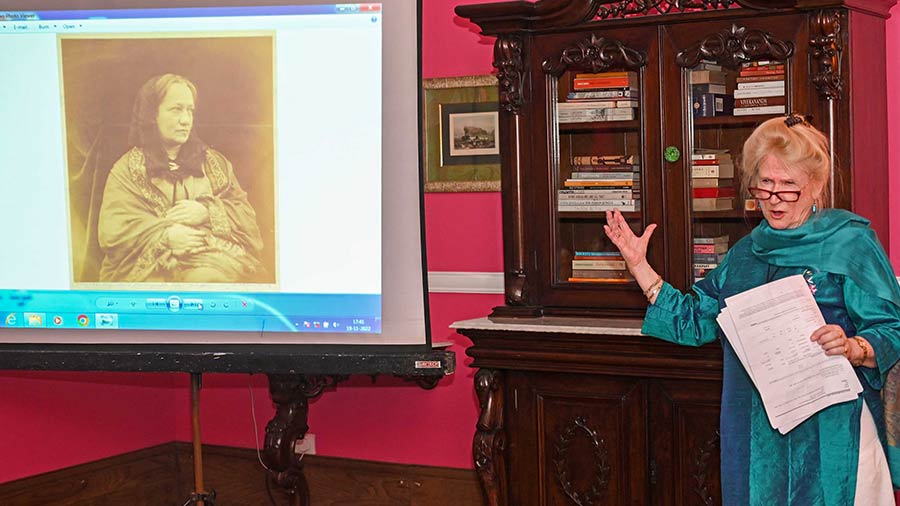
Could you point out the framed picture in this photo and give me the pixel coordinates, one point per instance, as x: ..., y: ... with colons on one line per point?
x: 461, y: 128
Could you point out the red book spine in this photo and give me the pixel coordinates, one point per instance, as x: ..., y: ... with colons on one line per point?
x: 726, y: 191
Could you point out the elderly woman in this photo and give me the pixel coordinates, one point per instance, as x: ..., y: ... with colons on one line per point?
x: 837, y: 457
x: 172, y: 208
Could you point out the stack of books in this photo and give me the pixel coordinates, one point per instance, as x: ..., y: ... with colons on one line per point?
x: 599, y: 267
x: 709, y: 91
x: 708, y: 254
x: 601, y: 183
x: 602, y: 96
x: 760, y: 89
x: 712, y: 180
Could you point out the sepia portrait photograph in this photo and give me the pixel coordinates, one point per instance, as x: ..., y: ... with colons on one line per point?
x: 474, y: 133
x: 170, y: 159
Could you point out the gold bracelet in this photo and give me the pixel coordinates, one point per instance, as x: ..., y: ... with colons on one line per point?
x: 865, y: 348
x: 654, y: 289
x: 652, y: 286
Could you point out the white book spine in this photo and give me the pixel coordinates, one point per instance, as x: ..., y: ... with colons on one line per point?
x: 759, y: 93
x: 760, y: 85
x: 769, y: 109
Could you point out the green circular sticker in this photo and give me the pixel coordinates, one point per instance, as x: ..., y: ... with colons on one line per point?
x: 672, y: 154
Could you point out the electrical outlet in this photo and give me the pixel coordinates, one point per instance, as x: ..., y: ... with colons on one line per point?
x: 307, y: 445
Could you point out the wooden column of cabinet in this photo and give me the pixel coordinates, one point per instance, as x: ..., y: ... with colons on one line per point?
x: 578, y: 407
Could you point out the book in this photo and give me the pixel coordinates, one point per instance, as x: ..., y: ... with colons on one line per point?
x: 707, y: 77
x: 762, y: 68
x: 707, y: 105
x: 630, y: 80
x: 602, y: 94
x: 605, y: 160
x: 589, y: 182
x: 599, y: 280
x: 759, y: 79
x: 759, y: 101
x: 599, y: 75
x: 766, y: 72
x: 598, y: 114
x: 599, y: 264
x: 715, y: 239
x: 709, y: 154
x: 606, y: 195
x: 606, y: 175
x: 705, y: 266
x: 707, y: 65
x: 582, y: 253
x: 716, y: 171
x: 598, y: 209
x: 605, y: 168
x: 697, y: 89
x: 747, y: 111
x: 758, y: 93
x: 720, y: 247
x: 761, y: 84
x: 722, y: 191
x: 710, y: 182
x: 712, y: 204
x: 708, y: 258
x: 601, y: 273
x: 598, y: 202
x: 713, y: 161
x: 597, y: 104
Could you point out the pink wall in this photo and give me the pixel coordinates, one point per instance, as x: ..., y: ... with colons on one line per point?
x: 893, y: 84
x: 54, y: 420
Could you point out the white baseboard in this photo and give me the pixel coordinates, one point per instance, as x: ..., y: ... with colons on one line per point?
x: 465, y: 282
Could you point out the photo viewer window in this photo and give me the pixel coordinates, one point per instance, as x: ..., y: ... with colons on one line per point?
x: 214, y: 174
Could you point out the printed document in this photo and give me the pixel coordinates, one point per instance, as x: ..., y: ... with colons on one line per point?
x: 769, y: 328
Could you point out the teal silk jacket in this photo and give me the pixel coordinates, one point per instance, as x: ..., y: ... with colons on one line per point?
x: 851, y: 278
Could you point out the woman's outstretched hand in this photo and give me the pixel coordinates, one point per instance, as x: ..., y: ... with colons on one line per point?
x: 632, y: 247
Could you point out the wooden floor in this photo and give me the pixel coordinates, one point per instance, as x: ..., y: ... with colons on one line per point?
x: 162, y: 475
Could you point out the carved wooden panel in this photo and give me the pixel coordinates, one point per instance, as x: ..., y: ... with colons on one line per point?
x: 589, y: 441
x: 596, y: 54
x: 685, y: 454
x: 736, y: 45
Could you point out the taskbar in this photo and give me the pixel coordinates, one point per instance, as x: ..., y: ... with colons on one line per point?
x: 189, y: 322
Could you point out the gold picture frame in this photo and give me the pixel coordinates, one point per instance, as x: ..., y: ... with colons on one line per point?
x: 469, y: 160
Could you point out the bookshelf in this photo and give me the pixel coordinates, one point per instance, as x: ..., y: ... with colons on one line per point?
x: 577, y: 406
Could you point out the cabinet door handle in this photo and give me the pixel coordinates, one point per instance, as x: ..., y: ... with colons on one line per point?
x: 672, y: 154
x: 653, y: 471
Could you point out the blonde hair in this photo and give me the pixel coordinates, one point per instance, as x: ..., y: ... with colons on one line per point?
x: 800, y: 147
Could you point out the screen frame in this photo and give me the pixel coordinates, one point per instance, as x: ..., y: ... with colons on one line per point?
x: 224, y: 356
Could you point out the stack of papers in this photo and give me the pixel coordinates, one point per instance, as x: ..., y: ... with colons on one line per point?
x: 769, y: 328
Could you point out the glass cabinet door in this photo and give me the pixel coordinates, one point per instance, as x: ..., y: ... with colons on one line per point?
x: 724, y: 106
x: 600, y: 169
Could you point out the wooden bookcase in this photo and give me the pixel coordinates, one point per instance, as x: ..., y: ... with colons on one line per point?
x: 636, y: 418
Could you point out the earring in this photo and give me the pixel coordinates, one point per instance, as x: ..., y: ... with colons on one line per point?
x: 815, y: 208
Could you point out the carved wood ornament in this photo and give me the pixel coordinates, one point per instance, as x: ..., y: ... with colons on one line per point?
x: 600, y: 481
x: 736, y: 45
x: 291, y: 393
x: 509, y: 62
x: 827, y: 48
x: 489, y: 444
x: 702, y: 460
x: 596, y: 54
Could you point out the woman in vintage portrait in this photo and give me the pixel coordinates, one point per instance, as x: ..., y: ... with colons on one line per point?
x: 173, y: 210
x: 845, y: 453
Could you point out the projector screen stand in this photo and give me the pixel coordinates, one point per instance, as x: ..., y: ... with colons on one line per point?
x: 200, y: 496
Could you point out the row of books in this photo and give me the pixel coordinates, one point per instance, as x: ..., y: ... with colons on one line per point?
x: 760, y: 89
x: 600, y: 96
x: 599, y: 267
x: 712, y: 180
x: 708, y: 254
x: 600, y: 183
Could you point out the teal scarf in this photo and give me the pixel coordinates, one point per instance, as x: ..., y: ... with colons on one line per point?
x: 840, y: 242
